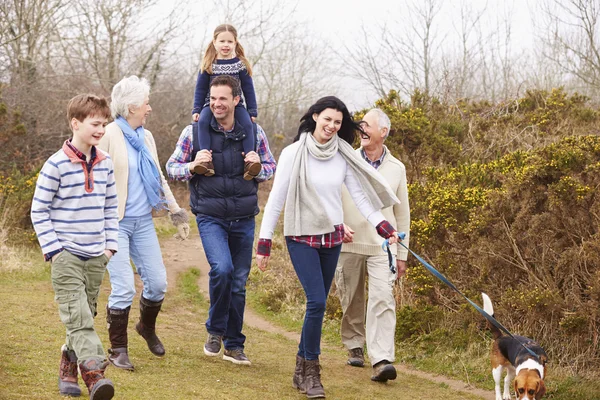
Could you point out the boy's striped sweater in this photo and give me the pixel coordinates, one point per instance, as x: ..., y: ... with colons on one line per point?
x: 73, y: 209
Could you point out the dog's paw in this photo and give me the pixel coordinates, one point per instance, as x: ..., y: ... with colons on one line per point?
x: 506, y: 396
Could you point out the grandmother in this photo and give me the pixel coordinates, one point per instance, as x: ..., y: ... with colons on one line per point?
x: 141, y: 188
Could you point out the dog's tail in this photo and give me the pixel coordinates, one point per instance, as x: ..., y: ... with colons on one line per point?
x: 488, y: 308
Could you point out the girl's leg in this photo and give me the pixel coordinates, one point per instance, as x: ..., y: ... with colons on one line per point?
x: 307, y: 264
x: 243, y: 118
x: 203, y: 128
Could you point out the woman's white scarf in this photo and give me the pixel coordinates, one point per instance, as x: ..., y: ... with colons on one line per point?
x: 304, y: 213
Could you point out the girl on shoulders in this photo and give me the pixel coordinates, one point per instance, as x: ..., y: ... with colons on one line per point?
x: 225, y: 56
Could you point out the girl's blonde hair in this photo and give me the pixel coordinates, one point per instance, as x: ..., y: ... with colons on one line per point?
x: 210, y: 55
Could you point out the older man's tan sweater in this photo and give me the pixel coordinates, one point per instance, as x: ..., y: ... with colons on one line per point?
x: 366, y: 240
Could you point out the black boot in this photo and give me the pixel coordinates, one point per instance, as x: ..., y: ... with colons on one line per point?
x: 146, y: 327
x: 298, y: 379
x: 117, y: 333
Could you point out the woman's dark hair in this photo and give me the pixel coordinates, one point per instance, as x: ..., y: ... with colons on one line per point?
x: 347, y: 130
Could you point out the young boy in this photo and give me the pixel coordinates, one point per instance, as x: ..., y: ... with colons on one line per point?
x: 74, y: 213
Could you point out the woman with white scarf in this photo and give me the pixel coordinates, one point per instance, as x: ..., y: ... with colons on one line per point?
x: 309, y: 180
x: 141, y: 188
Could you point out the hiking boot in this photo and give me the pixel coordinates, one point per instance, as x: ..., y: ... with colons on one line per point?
x: 212, y: 347
x: 312, y: 380
x: 298, y: 379
x: 120, y: 359
x: 236, y: 356
x: 204, y: 168
x: 251, y: 169
x: 92, y: 372
x: 356, y: 357
x: 117, y: 321
x: 146, y: 327
x: 67, y: 374
x: 383, y: 371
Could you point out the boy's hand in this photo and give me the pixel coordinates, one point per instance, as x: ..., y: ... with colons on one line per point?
x: 54, y: 257
x: 108, y: 253
x: 253, y: 119
x: 195, y: 117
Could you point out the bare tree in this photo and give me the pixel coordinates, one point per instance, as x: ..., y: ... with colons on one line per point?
x: 572, y: 30
x: 105, y: 40
x: 26, y: 29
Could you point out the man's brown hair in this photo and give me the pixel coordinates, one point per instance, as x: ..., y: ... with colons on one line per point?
x: 85, y: 105
x: 226, y: 80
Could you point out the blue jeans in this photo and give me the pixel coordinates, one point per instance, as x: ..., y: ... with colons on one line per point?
x: 228, y: 248
x: 137, y: 242
x: 315, y: 268
x: 241, y: 117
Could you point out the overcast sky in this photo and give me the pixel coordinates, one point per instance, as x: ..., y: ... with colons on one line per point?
x: 336, y: 24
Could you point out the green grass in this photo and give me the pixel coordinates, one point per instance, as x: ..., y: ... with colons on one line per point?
x: 32, y: 335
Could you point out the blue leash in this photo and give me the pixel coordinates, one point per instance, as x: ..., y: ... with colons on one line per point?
x: 437, y: 274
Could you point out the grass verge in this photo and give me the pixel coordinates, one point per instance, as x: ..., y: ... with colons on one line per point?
x: 32, y: 335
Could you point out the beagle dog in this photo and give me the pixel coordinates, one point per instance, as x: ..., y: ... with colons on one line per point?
x: 508, y: 353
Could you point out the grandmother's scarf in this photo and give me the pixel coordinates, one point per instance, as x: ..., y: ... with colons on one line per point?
x: 146, y: 165
x: 304, y: 213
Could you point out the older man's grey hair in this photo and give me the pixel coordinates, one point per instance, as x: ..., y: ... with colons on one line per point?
x: 130, y: 91
x: 382, y: 120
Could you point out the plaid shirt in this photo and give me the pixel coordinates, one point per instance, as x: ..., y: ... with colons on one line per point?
x: 326, y: 241
x: 375, y: 164
x: 82, y: 156
x: 178, y: 166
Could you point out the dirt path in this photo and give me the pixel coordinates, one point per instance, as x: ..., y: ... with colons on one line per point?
x: 177, y: 261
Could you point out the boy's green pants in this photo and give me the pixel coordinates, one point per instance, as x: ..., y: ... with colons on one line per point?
x: 76, y: 285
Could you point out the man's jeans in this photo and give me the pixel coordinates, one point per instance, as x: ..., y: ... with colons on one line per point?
x: 76, y: 285
x: 228, y: 248
x: 138, y: 243
x: 315, y: 268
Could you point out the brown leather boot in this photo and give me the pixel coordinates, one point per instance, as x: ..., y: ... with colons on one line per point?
x: 92, y: 372
x: 67, y: 374
x: 205, y: 168
x: 146, y: 327
x: 312, y: 382
x: 298, y: 380
x: 251, y: 170
x: 117, y: 333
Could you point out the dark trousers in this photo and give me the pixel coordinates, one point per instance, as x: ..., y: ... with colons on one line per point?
x: 241, y: 117
x: 315, y: 268
x: 228, y: 248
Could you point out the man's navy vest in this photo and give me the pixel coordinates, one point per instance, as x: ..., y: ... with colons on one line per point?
x: 226, y: 194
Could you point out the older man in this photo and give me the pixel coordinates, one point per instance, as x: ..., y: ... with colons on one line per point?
x: 225, y: 205
x: 362, y: 254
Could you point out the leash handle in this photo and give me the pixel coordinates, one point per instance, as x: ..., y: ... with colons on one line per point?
x: 441, y: 277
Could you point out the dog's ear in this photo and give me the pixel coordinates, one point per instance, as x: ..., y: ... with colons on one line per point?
x: 541, y: 390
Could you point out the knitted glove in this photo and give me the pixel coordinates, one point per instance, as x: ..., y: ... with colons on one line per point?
x: 180, y: 220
